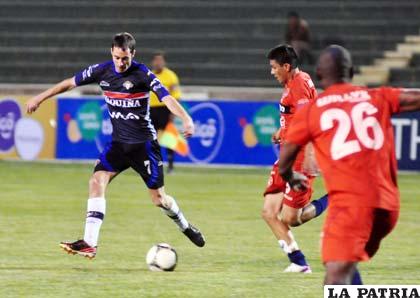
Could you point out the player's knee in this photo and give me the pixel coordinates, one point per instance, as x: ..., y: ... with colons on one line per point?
x: 159, y: 198
x: 156, y: 199
x: 167, y: 201
x: 337, y: 274
x: 95, y: 182
x: 290, y: 219
x: 268, y: 214
x: 292, y: 216
x: 335, y: 278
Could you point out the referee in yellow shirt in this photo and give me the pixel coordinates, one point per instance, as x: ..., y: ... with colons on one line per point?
x: 158, y: 111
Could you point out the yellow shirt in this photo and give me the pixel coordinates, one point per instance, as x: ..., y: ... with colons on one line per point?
x: 170, y: 80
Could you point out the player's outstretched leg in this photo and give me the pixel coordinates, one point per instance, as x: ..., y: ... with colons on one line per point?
x: 296, y: 257
x: 271, y: 208
x: 96, y: 206
x: 194, y: 235
x: 86, y: 247
x: 356, y: 279
x: 341, y: 273
x: 170, y: 207
x: 79, y: 247
x: 314, y: 209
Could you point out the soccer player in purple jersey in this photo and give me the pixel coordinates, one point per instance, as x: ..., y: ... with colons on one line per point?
x: 126, y: 85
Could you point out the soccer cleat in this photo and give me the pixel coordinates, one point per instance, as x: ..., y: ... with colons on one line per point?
x: 195, y: 235
x: 298, y: 268
x: 79, y: 247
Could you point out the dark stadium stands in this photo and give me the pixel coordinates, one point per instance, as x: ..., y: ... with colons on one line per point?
x: 407, y: 77
x: 208, y: 42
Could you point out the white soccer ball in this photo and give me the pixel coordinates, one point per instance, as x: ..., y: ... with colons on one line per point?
x: 161, y: 257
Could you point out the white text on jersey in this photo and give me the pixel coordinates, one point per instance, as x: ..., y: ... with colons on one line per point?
x: 118, y: 115
x: 354, y: 96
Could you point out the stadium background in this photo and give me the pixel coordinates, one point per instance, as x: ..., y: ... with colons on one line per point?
x: 209, y: 44
x: 218, y: 50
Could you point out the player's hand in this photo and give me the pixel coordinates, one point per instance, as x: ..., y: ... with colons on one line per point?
x: 275, y: 137
x: 32, y: 105
x: 298, y: 181
x: 188, y: 128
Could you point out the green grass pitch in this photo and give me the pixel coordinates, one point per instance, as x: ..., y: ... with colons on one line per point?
x: 43, y: 204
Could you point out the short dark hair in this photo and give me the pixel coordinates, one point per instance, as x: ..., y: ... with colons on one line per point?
x: 159, y: 53
x: 293, y: 14
x: 124, y: 40
x: 284, y: 54
x: 342, y: 61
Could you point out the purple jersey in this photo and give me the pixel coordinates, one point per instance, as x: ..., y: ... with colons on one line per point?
x: 127, y: 98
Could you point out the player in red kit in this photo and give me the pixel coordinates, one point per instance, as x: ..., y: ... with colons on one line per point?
x: 352, y: 134
x: 293, y: 207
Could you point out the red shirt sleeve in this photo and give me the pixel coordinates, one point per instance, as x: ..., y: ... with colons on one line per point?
x: 391, y: 96
x: 301, y: 94
x: 298, y: 132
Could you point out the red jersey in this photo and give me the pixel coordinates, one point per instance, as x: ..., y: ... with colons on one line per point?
x: 352, y: 133
x: 300, y: 90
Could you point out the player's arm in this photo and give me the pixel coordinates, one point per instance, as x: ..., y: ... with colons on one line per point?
x: 33, y: 104
x: 175, y: 107
x: 174, y: 88
x: 288, y: 154
x: 310, y: 165
x: 297, y: 137
x: 409, y: 100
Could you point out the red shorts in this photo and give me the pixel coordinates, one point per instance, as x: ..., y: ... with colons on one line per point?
x: 294, y: 199
x: 354, y: 233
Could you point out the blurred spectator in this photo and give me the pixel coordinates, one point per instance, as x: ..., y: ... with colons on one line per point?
x: 298, y: 36
x: 159, y: 113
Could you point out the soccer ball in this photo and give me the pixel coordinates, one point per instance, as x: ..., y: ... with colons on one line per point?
x: 161, y: 257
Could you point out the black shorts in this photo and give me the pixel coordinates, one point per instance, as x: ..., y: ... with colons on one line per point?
x: 160, y: 117
x: 144, y: 158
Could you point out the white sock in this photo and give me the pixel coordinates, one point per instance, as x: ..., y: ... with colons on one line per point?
x: 172, y: 210
x: 95, y: 215
x: 289, y: 248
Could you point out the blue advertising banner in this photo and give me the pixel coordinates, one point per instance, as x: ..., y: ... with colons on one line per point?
x: 407, y: 140
x: 227, y: 132
x: 83, y: 127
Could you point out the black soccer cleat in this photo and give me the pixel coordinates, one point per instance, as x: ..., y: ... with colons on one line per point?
x: 79, y: 247
x: 195, y: 235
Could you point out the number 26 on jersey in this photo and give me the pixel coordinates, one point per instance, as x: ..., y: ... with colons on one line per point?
x: 361, y: 118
